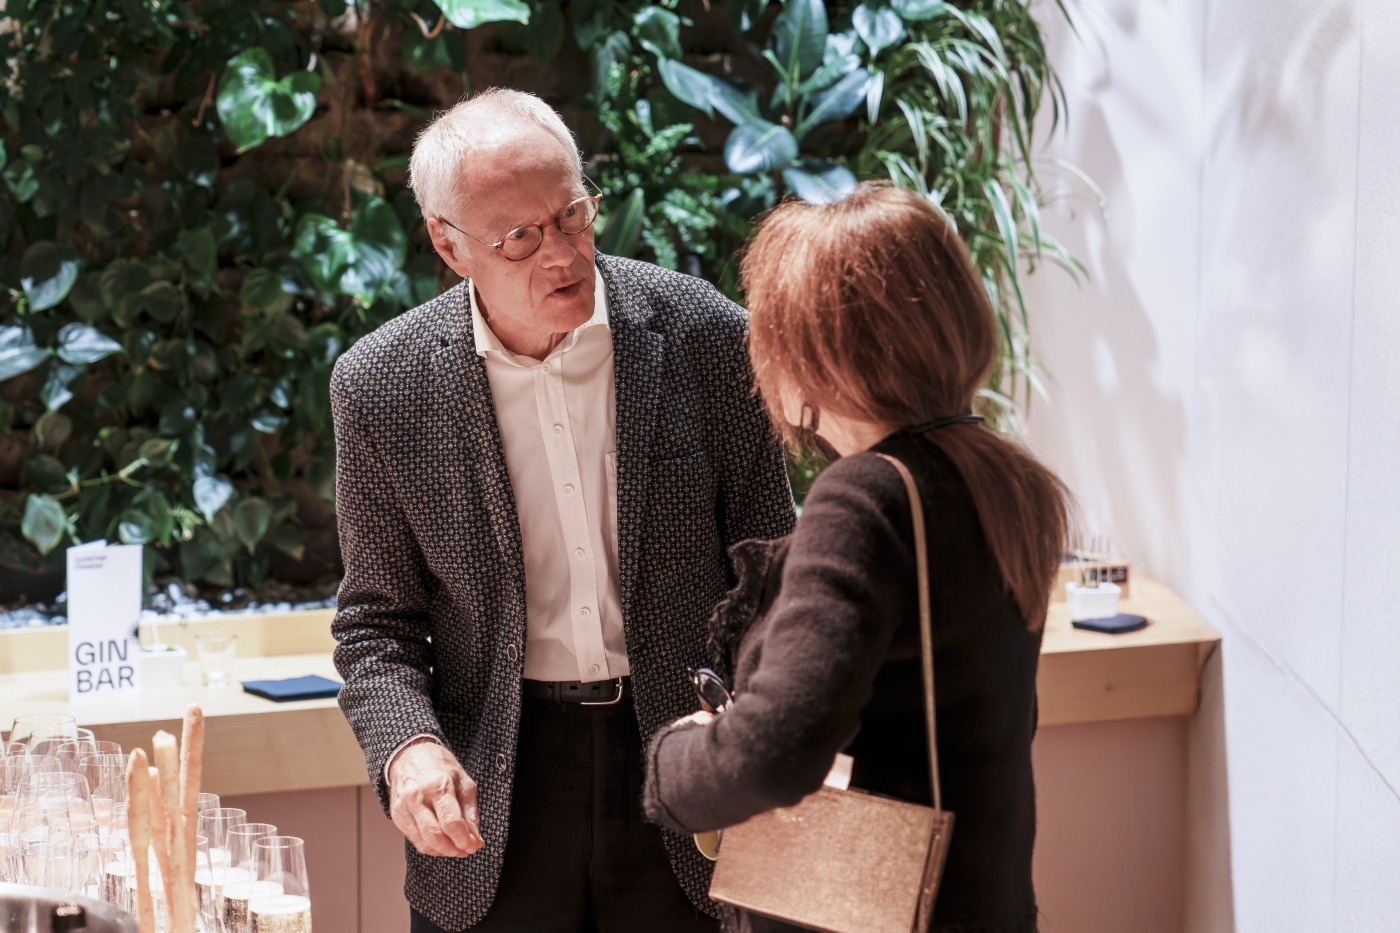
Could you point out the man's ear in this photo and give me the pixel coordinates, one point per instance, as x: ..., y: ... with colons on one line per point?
x: 447, y: 246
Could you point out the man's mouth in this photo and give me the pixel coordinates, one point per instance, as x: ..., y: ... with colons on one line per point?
x: 566, y: 292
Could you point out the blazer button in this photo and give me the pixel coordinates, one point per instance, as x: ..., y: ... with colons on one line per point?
x: 500, y: 762
x: 512, y: 653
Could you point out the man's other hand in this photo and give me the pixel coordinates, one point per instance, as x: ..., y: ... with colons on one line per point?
x: 433, y: 801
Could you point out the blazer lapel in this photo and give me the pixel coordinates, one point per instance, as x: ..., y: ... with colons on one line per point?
x: 469, y: 419
x: 637, y: 364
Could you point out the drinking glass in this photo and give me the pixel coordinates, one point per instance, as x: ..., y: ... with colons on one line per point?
x: 117, y: 871
x: 281, y: 860
x: 34, y: 823
x: 214, y: 825
x: 216, y: 652
x: 210, y: 883
x: 57, y: 789
x: 46, y: 725
x: 46, y: 863
x: 106, y: 778
x: 241, y: 839
x: 71, y: 754
x: 206, y: 801
x: 6, y: 850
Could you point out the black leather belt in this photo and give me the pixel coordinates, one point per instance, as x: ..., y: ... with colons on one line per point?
x: 594, y: 693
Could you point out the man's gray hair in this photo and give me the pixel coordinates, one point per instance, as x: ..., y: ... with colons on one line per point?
x: 435, y: 170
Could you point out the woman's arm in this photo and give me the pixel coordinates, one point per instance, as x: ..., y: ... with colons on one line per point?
x: 847, y: 583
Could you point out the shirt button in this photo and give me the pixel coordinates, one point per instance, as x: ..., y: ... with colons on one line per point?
x: 593, y: 669
x: 546, y: 367
x: 512, y: 652
x: 500, y: 762
x: 558, y: 429
x: 585, y: 612
x: 578, y: 552
x: 568, y: 490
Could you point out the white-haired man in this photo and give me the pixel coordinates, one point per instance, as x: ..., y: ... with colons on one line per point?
x: 539, y: 473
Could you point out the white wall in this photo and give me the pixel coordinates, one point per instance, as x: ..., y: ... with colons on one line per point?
x: 1226, y: 398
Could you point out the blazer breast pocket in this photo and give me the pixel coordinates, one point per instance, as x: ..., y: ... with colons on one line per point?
x: 682, y: 524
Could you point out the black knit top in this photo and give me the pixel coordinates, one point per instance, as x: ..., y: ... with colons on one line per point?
x: 820, y: 641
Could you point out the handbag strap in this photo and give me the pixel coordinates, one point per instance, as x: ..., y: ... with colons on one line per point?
x: 925, y: 620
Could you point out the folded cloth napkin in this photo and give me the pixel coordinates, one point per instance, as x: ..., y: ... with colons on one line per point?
x: 293, y: 688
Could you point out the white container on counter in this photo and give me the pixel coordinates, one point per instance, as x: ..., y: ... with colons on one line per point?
x: 165, y: 668
x: 1092, y: 602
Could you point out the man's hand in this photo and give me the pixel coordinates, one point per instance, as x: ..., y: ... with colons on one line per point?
x: 433, y: 801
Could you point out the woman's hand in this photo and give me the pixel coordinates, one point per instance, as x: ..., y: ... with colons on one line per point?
x: 699, y: 717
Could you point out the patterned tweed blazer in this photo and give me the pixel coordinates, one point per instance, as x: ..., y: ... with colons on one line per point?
x: 431, y: 619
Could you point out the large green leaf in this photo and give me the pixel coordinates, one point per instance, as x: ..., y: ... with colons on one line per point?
x: 47, y: 474
x: 55, y: 392
x: 469, y: 14
x: 362, y: 261
x: 255, y: 106
x: 659, y: 31
x: 616, y: 49
x: 837, y: 102
x: 47, y: 274
x: 18, y: 354
x: 621, y: 235
x: 759, y: 147
x: 44, y: 523
x: 822, y: 185
x: 83, y: 343
x: 251, y: 519
x: 212, y: 493
x: 879, y: 28
x: 916, y: 10
x: 688, y: 85
x: 799, y: 37
x: 546, y: 32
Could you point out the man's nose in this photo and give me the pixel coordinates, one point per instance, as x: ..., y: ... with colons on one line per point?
x: 556, y: 248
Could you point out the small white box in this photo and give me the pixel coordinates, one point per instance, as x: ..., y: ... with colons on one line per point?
x: 1092, y: 602
x: 163, y: 668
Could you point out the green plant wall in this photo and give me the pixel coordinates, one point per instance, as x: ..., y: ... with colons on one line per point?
x: 204, y: 205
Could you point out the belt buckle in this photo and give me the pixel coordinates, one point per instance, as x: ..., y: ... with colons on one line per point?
x: 613, y: 702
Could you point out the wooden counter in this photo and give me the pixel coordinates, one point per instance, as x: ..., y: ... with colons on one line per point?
x: 256, y: 746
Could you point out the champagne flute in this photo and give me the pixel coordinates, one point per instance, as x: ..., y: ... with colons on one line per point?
x: 281, y: 860
x: 241, y: 839
x: 206, y: 801
x: 46, y: 863
x: 33, y: 823
x: 106, y: 777
x: 117, y: 870
x: 214, y: 825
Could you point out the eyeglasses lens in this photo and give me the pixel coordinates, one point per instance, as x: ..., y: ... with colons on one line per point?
x: 574, y: 219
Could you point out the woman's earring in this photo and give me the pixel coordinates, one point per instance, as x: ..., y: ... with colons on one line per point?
x: 809, y: 417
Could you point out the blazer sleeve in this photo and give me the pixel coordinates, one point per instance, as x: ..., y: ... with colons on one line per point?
x: 755, y: 497
x: 381, y: 624
x: 848, y: 580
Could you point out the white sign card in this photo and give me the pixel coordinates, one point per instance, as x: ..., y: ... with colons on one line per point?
x: 104, y: 612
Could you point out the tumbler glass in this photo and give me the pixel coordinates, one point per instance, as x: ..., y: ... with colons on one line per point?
x: 216, y: 652
x: 281, y: 860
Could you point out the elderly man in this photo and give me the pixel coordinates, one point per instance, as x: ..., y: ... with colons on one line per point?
x: 539, y: 473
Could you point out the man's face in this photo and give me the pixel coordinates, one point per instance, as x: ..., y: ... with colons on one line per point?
x: 521, y: 178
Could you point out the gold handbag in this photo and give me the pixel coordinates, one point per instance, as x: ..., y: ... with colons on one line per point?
x: 843, y: 861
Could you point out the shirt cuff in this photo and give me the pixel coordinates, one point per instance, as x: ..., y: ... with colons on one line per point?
x: 405, y: 744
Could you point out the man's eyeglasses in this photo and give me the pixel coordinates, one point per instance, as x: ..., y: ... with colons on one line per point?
x: 522, y: 242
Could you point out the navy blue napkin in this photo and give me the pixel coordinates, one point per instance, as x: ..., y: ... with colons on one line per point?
x: 293, y: 688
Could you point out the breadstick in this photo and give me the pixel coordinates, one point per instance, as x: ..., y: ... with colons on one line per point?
x: 138, y: 817
x: 191, y: 773
x: 162, y: 843
x: 168, y: 761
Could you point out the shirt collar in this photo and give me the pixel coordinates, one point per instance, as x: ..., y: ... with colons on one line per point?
x: 487, y: 341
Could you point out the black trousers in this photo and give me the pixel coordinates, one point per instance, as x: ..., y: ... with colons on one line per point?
x: 580, y: 857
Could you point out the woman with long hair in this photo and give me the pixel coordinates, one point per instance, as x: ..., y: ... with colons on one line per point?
x: 870, y: 327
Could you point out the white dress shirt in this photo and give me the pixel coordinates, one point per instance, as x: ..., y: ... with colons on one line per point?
x: 558, y: 424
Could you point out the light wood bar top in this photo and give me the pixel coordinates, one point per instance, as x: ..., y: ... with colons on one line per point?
x: 257, y: 746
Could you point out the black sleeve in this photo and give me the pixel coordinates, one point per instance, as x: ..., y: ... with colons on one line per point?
x: 848, y: 580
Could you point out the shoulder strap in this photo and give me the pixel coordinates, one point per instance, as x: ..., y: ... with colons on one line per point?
x: 925, y: 620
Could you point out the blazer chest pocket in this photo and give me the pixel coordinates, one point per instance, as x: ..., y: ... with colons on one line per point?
x: 681, y: 507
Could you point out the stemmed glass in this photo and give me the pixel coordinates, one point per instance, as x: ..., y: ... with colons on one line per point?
x: 214, y: 825
x: 72, y: 754
x: 280, y: 861
x: 241, y: 839
x: 45, y: 725
x: 59, y: 789
x: 106, y: 778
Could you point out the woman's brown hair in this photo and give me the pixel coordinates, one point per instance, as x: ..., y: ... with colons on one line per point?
x: 871, y: 308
